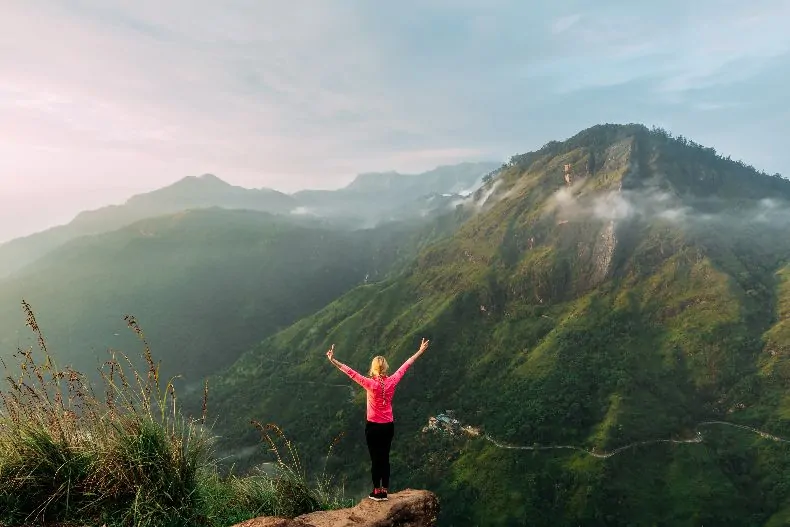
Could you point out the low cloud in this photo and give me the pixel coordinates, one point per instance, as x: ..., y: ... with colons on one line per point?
x: 486, y: 195
x: 303, y: 211
x: 658, y: 206
x: 478, y: 197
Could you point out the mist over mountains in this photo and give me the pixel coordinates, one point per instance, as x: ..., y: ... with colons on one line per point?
x: 206, y: 265
x: 368, y: 200
x: 617, y: 288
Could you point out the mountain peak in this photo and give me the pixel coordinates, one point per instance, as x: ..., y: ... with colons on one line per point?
x: 653, y: 156
x: 205, y: 179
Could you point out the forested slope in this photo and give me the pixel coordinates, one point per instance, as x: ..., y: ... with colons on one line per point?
x: 205, y: 285
x: 633, y: 300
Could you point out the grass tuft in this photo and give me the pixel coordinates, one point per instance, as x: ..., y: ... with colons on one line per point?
x: 128, y: 456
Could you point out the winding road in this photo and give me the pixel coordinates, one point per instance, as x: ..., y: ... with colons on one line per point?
x: 698, y: 438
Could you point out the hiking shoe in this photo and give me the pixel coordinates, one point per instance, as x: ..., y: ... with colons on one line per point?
x: 376, y: 495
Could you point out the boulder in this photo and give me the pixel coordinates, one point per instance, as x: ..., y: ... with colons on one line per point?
x: 408, y: 508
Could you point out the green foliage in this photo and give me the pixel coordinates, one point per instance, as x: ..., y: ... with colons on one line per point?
x: 210, y: 284
x: 70, y: 456
x: 550, y: 322
x: 561, y: 329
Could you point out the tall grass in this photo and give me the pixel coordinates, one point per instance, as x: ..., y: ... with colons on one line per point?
x: 126, y: 456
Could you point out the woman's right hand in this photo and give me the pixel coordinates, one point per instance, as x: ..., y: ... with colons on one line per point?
x: 331, y: 353
x: 424, y: 345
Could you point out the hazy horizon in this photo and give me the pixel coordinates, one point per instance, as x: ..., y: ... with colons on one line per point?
x: 126, y: 98
x: 68, y: 213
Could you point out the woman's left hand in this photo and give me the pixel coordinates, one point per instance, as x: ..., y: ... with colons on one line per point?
x: 331, y: 353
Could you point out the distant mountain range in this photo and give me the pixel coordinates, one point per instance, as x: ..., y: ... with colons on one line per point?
x: 391, y: 196
x: 368, y: 200
x: 249, y: 260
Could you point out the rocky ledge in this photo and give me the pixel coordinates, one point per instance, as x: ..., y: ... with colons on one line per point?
x: 408, y: 508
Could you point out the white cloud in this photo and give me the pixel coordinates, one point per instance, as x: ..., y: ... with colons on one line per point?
x: 654, y: 205
x: 612, y: 206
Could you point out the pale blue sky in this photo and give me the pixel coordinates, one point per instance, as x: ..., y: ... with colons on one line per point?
x: 100, y: 99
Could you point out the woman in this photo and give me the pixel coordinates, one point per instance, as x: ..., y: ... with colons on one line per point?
x: 380, y: 426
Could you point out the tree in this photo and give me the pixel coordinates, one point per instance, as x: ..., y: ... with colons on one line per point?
x: 591, y: 163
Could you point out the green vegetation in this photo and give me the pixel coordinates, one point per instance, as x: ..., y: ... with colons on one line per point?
x: 209, y: 284
x: 647, y: 294
x: 72, y: 456
x: 554, y: 320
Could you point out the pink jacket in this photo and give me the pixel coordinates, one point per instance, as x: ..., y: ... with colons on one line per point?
x: 379, y: 391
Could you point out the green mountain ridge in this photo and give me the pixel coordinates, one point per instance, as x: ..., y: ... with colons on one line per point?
x: 188, y: 193
x: 205, y: 284
x: 644, y: 294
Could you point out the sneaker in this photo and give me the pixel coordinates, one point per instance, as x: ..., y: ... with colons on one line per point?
x: 376, y: 495
x: 383, y: 494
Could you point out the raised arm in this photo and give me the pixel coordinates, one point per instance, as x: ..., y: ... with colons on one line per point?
x: 360, y: 379
x: 406, y: 365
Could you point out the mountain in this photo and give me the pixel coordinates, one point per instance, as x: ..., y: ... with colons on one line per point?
x: 209, y: 191
x: 453, y: 178
x: 619, y: 290
x: 189, y: 193
x: 205, y: 284
x: 369, y: 200
x: 390, y: 196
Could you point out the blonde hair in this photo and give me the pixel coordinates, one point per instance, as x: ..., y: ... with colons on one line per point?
x: 378, y: 367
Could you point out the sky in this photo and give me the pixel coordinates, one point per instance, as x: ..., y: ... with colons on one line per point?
x: 102, y: 99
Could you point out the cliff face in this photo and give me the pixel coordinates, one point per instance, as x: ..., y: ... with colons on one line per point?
x: 409, y: 508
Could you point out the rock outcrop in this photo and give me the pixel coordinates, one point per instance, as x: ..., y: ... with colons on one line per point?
x: 408, y: 508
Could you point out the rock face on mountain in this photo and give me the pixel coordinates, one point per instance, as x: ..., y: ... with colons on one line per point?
x: 408, y: 508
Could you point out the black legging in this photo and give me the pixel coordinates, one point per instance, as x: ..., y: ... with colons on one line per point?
x: 379, y: 439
